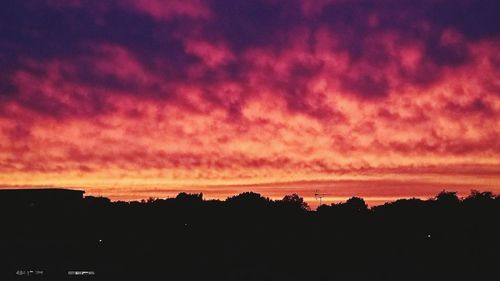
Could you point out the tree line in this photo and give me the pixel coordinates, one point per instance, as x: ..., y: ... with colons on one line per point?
x: 251, y: 237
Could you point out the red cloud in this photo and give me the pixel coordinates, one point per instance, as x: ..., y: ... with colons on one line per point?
x: 191, y: 93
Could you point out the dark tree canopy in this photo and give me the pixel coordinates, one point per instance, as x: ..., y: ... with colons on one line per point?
x: 295, y: 201
x: 251, y: 237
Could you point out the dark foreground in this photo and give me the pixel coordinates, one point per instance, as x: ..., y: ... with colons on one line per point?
x: 248, y: 237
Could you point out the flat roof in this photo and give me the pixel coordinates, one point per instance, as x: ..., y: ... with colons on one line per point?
x: 40, y: 189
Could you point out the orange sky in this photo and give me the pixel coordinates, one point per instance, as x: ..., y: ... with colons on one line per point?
x: 359, y: 106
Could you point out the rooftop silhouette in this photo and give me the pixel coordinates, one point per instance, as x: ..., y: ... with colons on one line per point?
x: 37, y: 196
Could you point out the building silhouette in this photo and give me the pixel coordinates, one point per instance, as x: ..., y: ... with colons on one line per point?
x: 40, y: 197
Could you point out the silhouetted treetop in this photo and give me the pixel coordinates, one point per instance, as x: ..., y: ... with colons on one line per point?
x: 294, y: 201
x: 476, y: 195
x: 448, y: 198
x: 189, y: 197
x: 248, y: 199
x: 356, y: 204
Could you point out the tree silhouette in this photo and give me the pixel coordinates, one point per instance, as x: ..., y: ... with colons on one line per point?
x: 294, y: 201
x: 248, y: 200
x: 189, y: 197
x: 250, y: 237
x: 448, y: 198
x: 356, y: 204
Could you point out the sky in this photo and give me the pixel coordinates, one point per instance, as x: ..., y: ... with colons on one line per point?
x: 132, y: 99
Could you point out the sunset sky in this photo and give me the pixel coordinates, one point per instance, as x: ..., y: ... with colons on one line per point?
x: 133, y: 99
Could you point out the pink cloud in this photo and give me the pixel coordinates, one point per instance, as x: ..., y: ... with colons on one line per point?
x: 212, y: 54
x: 168, y: 9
